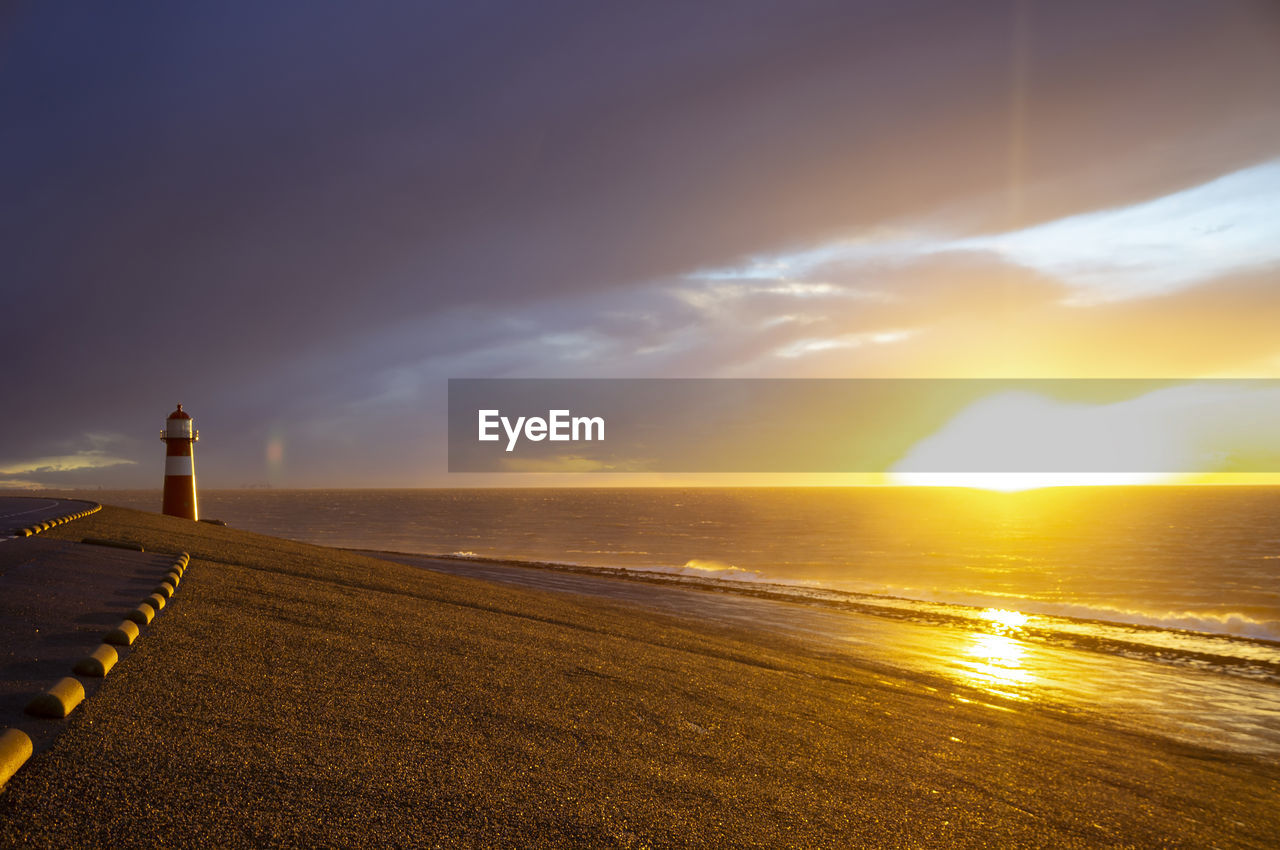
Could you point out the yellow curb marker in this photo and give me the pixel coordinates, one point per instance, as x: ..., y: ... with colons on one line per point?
x: 122, y: 635
x: 58, y: 701
x: 142, y: 615
x: 15, y: 749
x: 99, y: 663
x: 156, y: 601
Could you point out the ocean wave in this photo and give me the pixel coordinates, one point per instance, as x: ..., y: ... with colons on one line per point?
x: 1234, y: 624
x: 968, y: 605
x: 1230, y: 624
x: 1229, y: 643
x: 705, y: 568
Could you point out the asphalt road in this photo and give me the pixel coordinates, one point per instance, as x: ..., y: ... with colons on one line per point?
x: 21, y: 511
x: 57, y: 599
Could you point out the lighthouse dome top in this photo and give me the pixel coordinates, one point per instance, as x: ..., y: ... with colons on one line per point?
x: 179, y: 414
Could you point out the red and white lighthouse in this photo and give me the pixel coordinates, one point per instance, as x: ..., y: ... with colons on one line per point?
x: 179, y: 466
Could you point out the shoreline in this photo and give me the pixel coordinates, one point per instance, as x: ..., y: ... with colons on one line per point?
x: 908, y: 608
x: 766, y: 586
x: 294, y: 694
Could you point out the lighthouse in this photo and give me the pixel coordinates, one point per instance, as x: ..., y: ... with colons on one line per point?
x: 179, y: 465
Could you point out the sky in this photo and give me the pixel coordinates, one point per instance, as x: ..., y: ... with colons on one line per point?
x: 301, y: 219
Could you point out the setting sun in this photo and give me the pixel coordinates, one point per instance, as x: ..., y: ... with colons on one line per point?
x: 1012, y: 441
x: 1016, y: 482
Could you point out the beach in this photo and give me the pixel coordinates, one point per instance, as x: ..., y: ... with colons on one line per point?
x: 305, y: 696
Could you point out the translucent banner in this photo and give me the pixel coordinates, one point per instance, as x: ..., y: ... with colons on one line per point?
x: 864, y: 425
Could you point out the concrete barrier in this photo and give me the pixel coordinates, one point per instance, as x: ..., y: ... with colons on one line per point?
x: 142, y: 615
x: 156, y: 601
x: 15, y: 749
x: 58, y: 701
x: 99, y: 663
x: 174, y: 578
x: 165, y: 589
x: 122, y: 635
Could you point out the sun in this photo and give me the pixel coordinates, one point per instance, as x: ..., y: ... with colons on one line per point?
x: 1021, y: 440
x: 1016, y: 482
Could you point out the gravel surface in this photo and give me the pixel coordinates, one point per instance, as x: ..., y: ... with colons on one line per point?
x: 292, y: 695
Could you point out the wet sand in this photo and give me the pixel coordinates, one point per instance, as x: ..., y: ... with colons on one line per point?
x: 297, y: 695
x: 1008, y: 664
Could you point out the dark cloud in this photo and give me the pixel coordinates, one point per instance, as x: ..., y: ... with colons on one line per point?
x: 301, y: 211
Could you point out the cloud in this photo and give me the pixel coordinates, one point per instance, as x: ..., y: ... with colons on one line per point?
x: 1226, y: 226
x: 105, y: 451
x: 88, y: 459
x: 20, y: 484
x: 802, y: 347
x: 314, y: 219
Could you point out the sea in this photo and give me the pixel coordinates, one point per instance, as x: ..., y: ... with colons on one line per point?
x: 1158, y: 605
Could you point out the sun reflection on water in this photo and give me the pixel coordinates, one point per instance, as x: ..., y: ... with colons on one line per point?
x: 996, y: 660
x: 1004, y: 619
